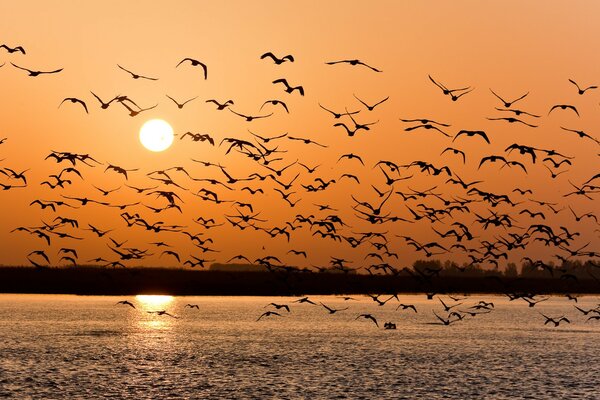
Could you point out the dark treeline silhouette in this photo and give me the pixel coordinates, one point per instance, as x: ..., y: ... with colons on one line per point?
x: 431, y: 276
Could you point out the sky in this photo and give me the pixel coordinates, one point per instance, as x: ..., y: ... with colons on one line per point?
x: 510, y: 47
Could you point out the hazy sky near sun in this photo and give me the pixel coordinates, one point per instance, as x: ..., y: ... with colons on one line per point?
x: 512, y: 47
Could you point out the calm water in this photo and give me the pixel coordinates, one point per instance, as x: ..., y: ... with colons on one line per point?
x: 74, y: 347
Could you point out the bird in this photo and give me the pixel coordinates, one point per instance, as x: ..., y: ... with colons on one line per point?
x: 368, y: 316
x: 338, y: 115
x: 75, y: 100
x: 444, y: 89
x: 332, y: 310
x: 276, y: 59
x: 407, y: 306
x: 162, y: 312
x: 36, y: 73
x: 581, y: 134
x: 103, y: 105
x: 250, y: 118
x: 457, y: 152
x: 11, y: 50
x: 220, y: 106
x: 126, y: 303
x: 508, y: 104
x: 305, y: 300
x: 482, y: 134
x: 268, y: 314
x: 275, y: 103
x: 368, y: 106
x: 352, y: 62
x: 555, y: 321
x: 120, y: 170
x: 195, y: 63
x: 288, y: 88
x: 137, y: 76
x: 580, y: 90
x: 564, y: 107
x: 180, y: 105
x: 192, y: 306
x: 279, y: 306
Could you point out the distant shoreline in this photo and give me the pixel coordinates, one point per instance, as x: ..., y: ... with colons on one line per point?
x: 133, y: 281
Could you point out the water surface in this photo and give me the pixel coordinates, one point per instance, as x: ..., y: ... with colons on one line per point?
x: 59, y: 346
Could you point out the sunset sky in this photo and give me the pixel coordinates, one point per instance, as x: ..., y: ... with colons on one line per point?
x: 510, y: 47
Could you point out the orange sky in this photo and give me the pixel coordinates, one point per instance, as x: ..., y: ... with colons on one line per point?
x: 510, y: 47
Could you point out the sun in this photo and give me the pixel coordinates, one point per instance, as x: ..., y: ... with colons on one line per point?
x: 156, y: 135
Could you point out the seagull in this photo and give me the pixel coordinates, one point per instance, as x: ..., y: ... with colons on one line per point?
x: 195, y: 63
x: 333, y: 310
x: 279, y: 306
x: 13, y: 49
x: 180, y: 105
x: 162, y: 312
x: 36, y: 73
x: 268, y: 314
x: 136, y: 76
x: 368, y: 316
x: 353, y: 62
x: 277, y: 60
x: 75, y: 100
x: 579, y: 89
x: 288, y: 88
x: 126, y: 303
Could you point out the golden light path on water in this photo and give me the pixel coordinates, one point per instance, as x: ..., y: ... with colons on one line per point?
x: 150, y: 303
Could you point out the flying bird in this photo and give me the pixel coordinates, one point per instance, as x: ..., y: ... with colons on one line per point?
x: 180, y: 105
x: 137, y: 76
x: 195, y: 63
x: 75, y: 100
x: 580, y: 90
x: 277, y: 60
x: 370, y: 107
x: 507, y: 104
x: 13, y: 49
x: 36, y: 73
x: 564, y: 107
x: 353, y: 62
x: 288, y: 88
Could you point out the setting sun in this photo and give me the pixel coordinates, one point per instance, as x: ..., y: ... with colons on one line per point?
x: 156, y: 135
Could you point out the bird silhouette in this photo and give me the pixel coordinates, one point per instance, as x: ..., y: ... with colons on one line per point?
x: 137, y: 76
x: 36, y: 73
x: 580, y: 90
x: 195, y: 63
x: 508, y: 104
x: 11, y: 50
x: 180, y: 105
x: 352, y: 62
x: 288, y: 88
x: 277, y: 60
x: 370, y: 317
x: 126, y: 303
x: 75, y: 100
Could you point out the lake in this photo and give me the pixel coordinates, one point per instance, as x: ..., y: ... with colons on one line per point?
x: 86, y: 347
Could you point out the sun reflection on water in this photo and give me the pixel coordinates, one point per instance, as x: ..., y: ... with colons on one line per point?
x: 151, y: 303
x: 154, y: 302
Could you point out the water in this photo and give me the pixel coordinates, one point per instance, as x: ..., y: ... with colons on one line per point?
x: 74, y: 347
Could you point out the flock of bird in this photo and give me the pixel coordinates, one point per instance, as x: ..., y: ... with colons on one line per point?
x: 463, y: 218
x: 452, y: 309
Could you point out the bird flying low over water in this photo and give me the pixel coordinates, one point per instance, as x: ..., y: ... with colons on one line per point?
x: 126, y: 303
